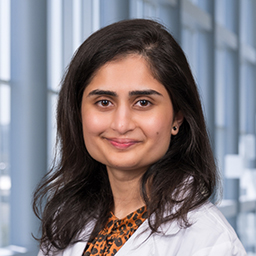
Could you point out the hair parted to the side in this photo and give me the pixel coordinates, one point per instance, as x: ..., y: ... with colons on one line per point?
x: 77, y: 189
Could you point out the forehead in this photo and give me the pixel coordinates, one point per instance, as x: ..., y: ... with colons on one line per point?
x: 127, y: 73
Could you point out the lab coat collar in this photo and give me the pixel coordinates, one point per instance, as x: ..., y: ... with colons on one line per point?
x: 141, y: 235
x: 169, y: 228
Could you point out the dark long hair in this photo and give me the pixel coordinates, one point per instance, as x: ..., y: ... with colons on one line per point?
x: 77, y: 189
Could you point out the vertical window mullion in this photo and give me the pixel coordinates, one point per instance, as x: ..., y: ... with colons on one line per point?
x: 5, y: 91
x: 95, y: 15
x: 55, y: 68
x: 77, y: 23
x: 55, y: 44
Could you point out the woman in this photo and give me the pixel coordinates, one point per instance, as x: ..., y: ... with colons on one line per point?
x: 135, y: 170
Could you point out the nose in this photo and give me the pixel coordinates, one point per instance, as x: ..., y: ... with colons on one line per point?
x: 122, y: 119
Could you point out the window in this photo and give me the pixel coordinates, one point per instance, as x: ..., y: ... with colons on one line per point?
x: 70, y: 23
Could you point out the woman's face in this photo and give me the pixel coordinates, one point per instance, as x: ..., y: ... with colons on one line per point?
x: 127, y: 115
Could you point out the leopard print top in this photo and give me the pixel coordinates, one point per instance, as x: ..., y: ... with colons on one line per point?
x: 115, y: 234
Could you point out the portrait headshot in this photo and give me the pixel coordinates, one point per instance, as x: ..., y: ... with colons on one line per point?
x: 135, y: 173
x: 127, y: 127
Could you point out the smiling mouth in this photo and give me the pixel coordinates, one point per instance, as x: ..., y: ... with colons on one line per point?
x: 122, y: 143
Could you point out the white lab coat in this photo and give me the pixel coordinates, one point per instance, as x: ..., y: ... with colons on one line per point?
x: 209, y: 235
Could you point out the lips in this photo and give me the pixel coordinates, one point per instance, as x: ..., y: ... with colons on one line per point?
x: 122, y: 143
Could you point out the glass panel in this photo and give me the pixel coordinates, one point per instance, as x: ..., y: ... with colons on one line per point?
x: 206, y: 5
x: 220, y: 11
x: 136, y: 9
x: 189, y: 45
x: 77, y: 24
x: 227, y: 13
x: 231, y: 14
x: 5, y: 40
x: 248, y: 18
x: 247, y: 231
x: 5, y: 182
x: 55, y: 44
x: 203, y: 4
x: 95, y: 15
x: 149, y: 11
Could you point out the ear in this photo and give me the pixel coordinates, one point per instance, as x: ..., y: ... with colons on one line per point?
x: 178, y: 120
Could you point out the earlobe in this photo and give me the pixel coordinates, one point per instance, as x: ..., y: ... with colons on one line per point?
x: 178, y: 120
x: 175, y: 130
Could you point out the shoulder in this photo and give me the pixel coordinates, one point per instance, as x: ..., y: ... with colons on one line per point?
x: 209, y: 234
x: 75, y: 248
x: 209, y: 220
x: 209, y: 216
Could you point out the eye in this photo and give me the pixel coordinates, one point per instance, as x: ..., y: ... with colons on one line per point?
x: 143, y: 103
x: 104, y: 103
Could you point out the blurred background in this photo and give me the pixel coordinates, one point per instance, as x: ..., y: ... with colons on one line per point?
x: 37, y: 41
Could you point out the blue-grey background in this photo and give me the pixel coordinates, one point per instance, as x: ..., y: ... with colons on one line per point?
x: 37, y: 41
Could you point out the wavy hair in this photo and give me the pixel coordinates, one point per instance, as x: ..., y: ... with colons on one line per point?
x: 77, y: 189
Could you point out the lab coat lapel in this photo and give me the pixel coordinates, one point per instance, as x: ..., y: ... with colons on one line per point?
x: 78, y: 247
x: 142, y: 240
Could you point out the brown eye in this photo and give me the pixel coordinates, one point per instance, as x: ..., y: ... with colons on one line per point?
x: 103, y: 103
x: 144, y: 103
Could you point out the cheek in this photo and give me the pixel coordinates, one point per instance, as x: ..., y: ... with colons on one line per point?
x: 92, y: 125
x: 159, y: 126
x: 159, y: 129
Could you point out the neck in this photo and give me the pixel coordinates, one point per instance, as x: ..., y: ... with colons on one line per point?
x: 125, y: 187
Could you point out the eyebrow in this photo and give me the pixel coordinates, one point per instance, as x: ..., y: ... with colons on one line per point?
x: 132, y: 93
x: 102, y: 92
x: 144, y: 92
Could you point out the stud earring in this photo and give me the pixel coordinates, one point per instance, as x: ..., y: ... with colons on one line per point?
x: 174, y: 128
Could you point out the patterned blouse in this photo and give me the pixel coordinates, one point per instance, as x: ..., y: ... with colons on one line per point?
x: 115, y: 234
